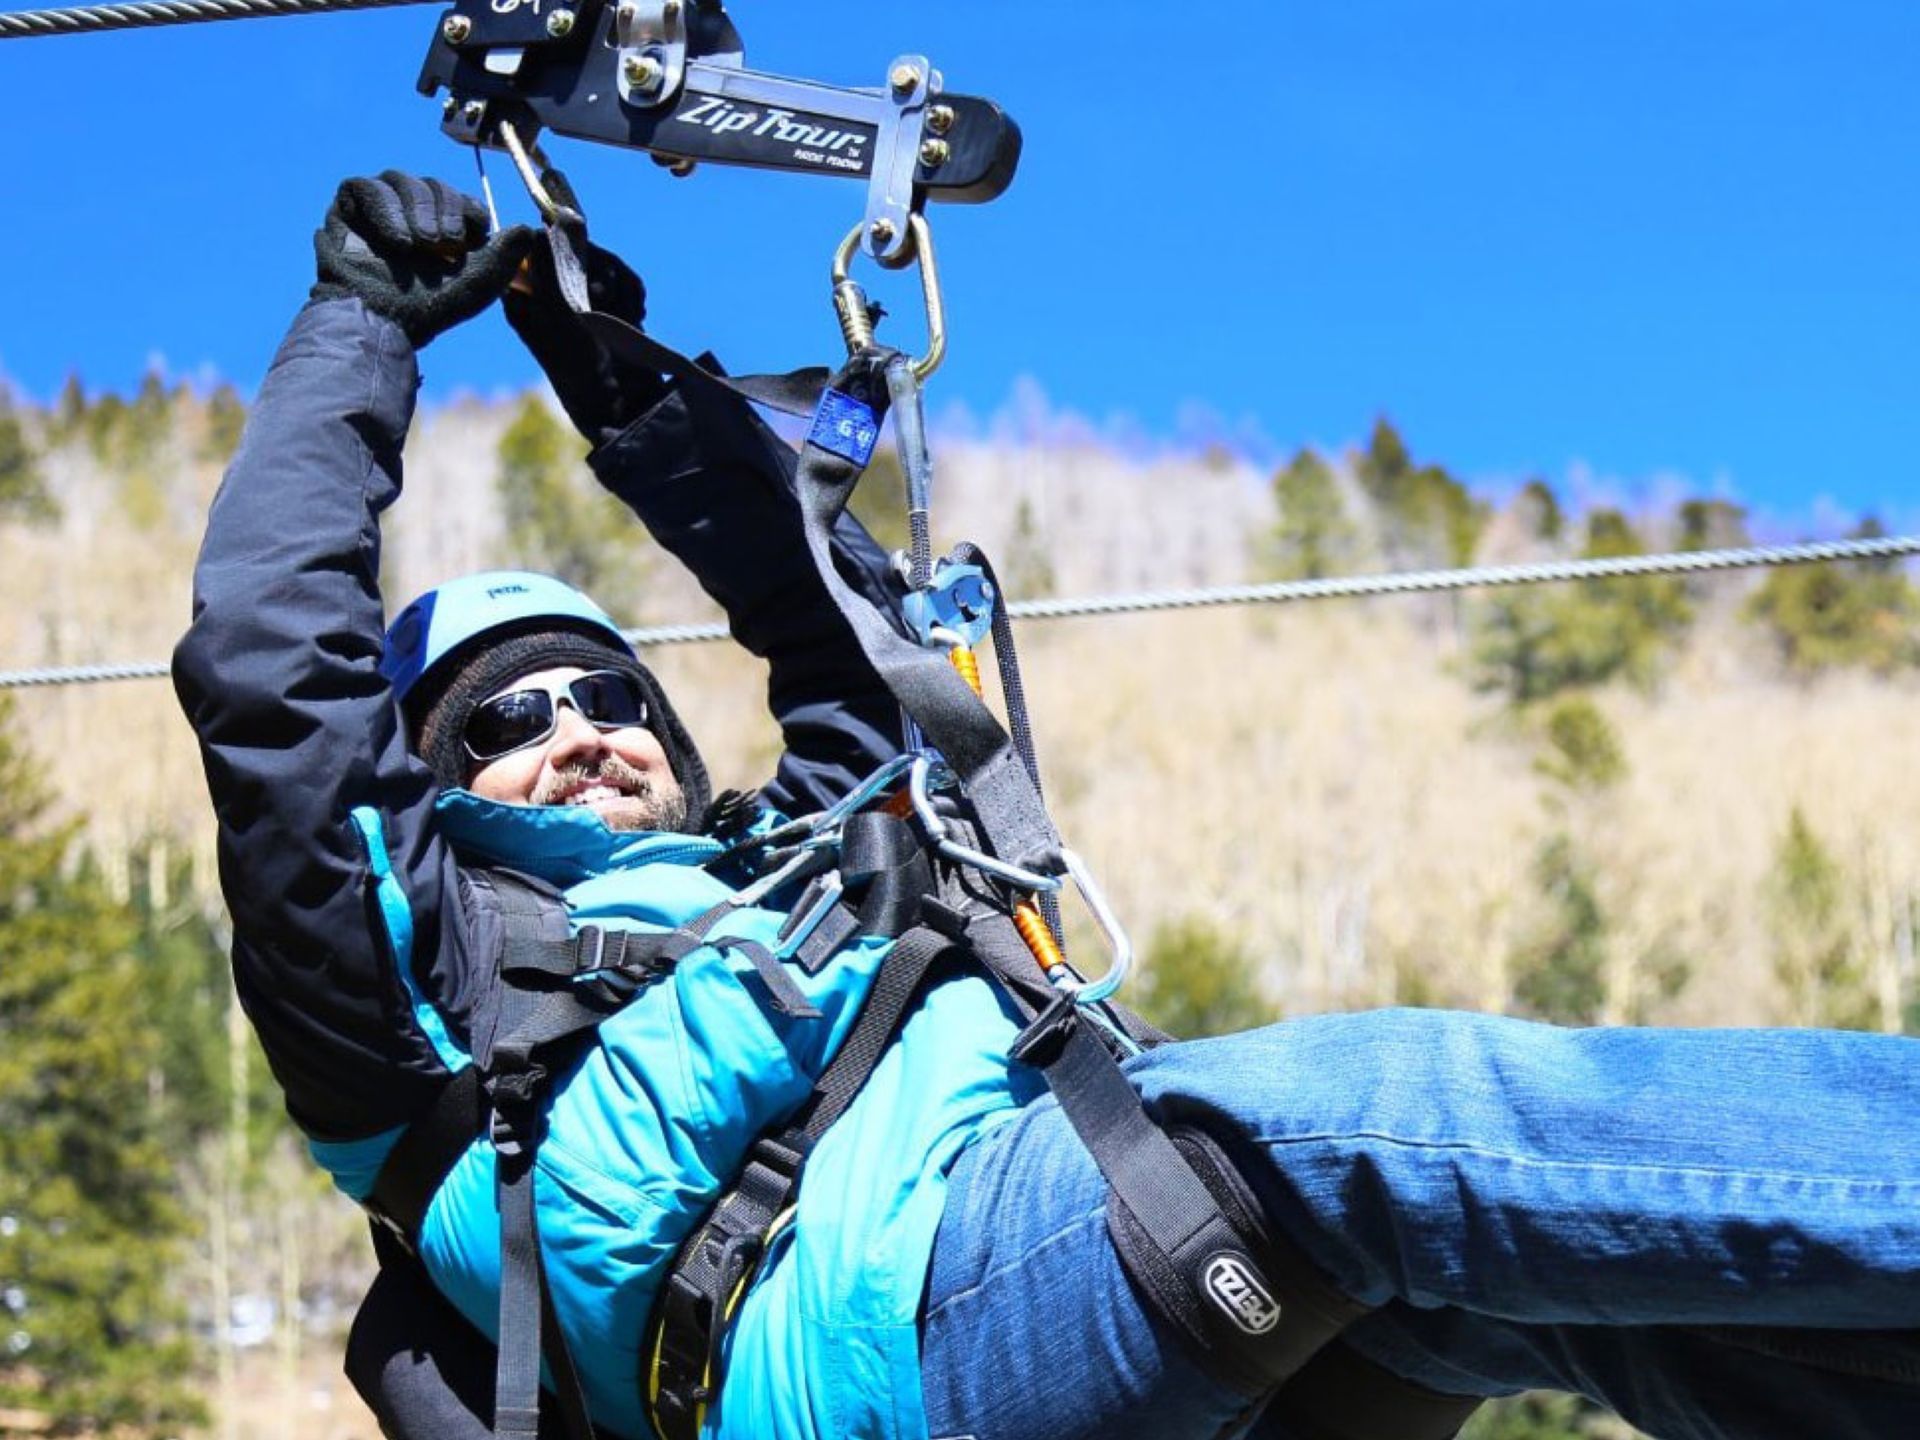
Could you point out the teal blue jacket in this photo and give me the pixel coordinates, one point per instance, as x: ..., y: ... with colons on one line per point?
x: 655, y: 1120
x: 355, y: 951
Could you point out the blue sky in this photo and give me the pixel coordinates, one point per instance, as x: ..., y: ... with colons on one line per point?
x: 1638, y: 246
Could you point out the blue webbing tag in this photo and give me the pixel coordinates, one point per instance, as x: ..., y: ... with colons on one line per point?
x: 845, y: 426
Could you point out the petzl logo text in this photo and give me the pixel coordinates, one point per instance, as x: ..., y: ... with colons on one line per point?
x: 1238, y: 1292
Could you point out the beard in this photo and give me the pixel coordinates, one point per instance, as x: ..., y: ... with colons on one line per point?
x: 644, y: 802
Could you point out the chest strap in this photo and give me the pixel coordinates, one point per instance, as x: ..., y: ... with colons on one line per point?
x: 610, y: 965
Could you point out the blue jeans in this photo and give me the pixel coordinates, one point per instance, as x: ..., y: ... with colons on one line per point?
x: 1690, y: 1227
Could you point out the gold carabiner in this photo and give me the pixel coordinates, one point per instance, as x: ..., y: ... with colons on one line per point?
x: 550, y: 209
x: 850, y: 300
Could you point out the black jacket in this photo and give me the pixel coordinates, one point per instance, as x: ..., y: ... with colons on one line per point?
x: 278, y: 676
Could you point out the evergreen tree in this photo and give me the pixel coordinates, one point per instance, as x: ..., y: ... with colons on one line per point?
x: 23, y: 489
x: 1822, y: 617
x: 179, y: 945
x: 1540, y: 511
x: 1560, y: 974
x: 1535, y: 644
x: 1583, y: 750
x: 1566, y: 969
x: 226, y: 417
x: 1313, y: 536
x: 1815, y: 951
x: 1199, y: 980
x: 561, y: 519
x: 150, y: 416
x: 1713, y: 525
x: 88, y: 1224
x: 1426, y: 516
x: 69, y: 411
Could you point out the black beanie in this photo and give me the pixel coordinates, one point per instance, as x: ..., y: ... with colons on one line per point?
x: 438, y: 708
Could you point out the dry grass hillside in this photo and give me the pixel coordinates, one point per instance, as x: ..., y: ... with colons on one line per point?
x: 1322, y: 790
x: 1322, y: 783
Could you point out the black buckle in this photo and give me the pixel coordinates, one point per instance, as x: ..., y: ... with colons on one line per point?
x: 589, y: 949
x: 1043, y: 1041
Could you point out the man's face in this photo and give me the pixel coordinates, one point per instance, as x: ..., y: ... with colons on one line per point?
x: 622, y: 775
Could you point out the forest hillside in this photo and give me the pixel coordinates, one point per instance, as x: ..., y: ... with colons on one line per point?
x: 1657, y: 801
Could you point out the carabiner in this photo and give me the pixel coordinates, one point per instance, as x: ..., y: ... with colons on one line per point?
x: 936, y: 828
x: 850, y: 300
x: 871, y: 788
x: 552, y: 211
x: 1092, y: 992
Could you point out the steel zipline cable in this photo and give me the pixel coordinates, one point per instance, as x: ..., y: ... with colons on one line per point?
x: 140, y: 14
x: 1478, y: 577
x: 1404, y: 582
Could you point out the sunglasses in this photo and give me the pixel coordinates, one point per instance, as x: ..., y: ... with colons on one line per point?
x: 605, y: 699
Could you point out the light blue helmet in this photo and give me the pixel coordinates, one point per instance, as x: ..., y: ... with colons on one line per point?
x: 455, y: 618
x: 456, y: 645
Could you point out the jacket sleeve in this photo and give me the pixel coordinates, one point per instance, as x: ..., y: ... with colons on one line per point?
x: 344, y: 902
x: 714, y: 485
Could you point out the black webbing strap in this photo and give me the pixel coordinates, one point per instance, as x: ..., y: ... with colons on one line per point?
x: 903, y: 976
x: 1341, y: 1395
x: 683, y: 1356
x: 524, y: 1300
x: 1250, y: 1319
x: 796, y: 392
x: 554, y: 990
x: 952, y: 718
x: 778, y: 989
x: 884, y: 865
x: 876, y: 889
x: 949, y: 714
x: 431, y: 1145
x: 538, y: 1026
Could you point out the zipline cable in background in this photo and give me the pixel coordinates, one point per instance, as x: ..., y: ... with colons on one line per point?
x: 139, y: 14
x: 1479, y: 577
x: 1404, y: 582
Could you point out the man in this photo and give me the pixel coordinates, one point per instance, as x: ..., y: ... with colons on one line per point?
x: 1715, y: 1234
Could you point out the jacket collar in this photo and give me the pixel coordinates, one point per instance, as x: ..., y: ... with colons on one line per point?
x: 558, y: 843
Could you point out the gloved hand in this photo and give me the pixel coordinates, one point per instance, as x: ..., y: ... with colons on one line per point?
x: 601, y: 394
x: 416, y: 251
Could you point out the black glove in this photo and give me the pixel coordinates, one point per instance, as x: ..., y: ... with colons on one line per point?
x: 601, y: 394
x: 415, y: 251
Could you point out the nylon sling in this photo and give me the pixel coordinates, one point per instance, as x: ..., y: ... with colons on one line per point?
x: 948, y: 713
x: 1177, y: 1243
x: 1170, y: 1228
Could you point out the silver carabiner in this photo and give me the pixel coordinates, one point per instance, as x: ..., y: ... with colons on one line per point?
x: 943, y: 841
x: 1092, y: 992
x: 868, y: 789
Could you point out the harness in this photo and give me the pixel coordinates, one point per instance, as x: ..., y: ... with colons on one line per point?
x: 1191, y: 1238
x: 971, y: 884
